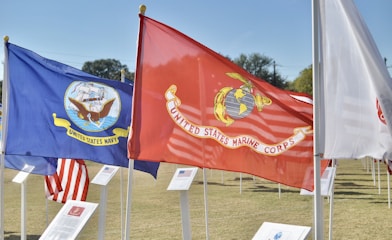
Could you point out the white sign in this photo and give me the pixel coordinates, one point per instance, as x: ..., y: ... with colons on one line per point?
x: 278, y: 231
x: 182, y: 179
x: 22, y: 175
x: 105, y: 175
x: 326, y: 182
x: 69, y: 221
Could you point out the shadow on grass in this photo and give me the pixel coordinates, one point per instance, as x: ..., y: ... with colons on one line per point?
x: 244, y: 179
x: 347, y: 184
x: 355, y: 174
x: 17, y: 237
x: 215, y: 183
x: 380, y: 202
x: 351, y: 185
x: 268, y: 189
x: 354, y: 179
x: 349, y: 193
x: 235, y: 180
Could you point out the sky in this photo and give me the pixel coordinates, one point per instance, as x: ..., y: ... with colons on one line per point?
x: 75, y: 31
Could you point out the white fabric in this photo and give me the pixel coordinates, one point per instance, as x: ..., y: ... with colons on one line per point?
x: 355, y: 76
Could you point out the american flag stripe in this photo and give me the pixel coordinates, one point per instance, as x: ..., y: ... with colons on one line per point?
x: 53, y: 185
x: 73, y: 177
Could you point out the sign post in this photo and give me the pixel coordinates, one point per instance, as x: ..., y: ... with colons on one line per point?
x: 182, y: 181
x: 102, y: 178
x: 21, y: 178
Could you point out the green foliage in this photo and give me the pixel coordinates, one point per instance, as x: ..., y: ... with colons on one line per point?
x: 304, y: 82
x: 262, y: 67
x: 107, y: 68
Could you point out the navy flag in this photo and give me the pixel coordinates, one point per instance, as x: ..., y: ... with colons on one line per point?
x: 58, y: 111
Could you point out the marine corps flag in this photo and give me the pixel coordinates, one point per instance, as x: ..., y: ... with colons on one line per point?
x: 193, y: 106
x: 57, y: 111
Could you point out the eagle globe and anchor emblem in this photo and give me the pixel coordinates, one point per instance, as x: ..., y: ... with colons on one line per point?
x: 231, y: 104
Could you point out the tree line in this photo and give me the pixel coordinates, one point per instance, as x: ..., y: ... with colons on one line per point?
x: 258, y: 65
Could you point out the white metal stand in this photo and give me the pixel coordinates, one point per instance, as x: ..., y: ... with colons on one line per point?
x: 182, y: 181
x: 21, y: 179
x: 102, y: 178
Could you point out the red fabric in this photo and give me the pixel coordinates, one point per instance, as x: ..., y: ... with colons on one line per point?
x: 193, y: 106
x: 71, y: 181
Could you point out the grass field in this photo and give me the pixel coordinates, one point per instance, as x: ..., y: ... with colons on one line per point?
x: 236, y: 209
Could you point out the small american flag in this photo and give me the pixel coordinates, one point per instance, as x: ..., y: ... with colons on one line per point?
x: 184, y: 173
x: 108, y: 170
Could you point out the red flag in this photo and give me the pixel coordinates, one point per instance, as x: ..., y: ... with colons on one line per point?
x: 193, y: 106
x: 71, y: 181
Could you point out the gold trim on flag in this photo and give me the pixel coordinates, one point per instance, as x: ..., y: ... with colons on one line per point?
x: 94, y: 141
x: 173, y: 102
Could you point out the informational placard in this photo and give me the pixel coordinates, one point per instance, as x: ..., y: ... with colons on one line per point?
x: 182, y: 179
x: 22, y: 175
x: 104, y: 175
x: 279, y: 231
x: 69, y: 221
x: 326, y: 183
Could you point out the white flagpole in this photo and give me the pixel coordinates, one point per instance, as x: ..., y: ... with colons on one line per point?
x: 317, y: 95
x: 129, y: 200
x: 23, y: 211
x: 389, y: 190
x: 331, y: 195
x: 378, y: 176
x: 3, y: 136
x: 373, y: 172
x: 240, y: 183
x: 142, y: 10
x: 47, y: 211
x: 205, y: 201
x: 121, y: 179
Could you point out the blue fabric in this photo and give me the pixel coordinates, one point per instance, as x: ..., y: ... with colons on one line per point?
x: 34, y: 165
x: 57, y: 111
x: 41, y: 165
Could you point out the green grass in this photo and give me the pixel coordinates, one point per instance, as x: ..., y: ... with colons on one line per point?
x: 234, y: 212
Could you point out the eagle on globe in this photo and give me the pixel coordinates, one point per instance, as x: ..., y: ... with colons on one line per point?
x: 231, y: 104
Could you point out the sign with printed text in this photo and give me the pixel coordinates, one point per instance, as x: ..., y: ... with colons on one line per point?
x: 104, y: 176
x: 278, y: 231
x: 182, y: 179
x: 69, y: 221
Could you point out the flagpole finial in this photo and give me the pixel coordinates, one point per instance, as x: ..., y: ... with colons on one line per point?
x: 142, y: 9
x: 6, y: 38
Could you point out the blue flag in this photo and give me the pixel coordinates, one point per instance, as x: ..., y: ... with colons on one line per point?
x: 35, y: 165
x: 57, y: 111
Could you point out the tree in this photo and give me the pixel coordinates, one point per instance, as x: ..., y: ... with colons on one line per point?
x: 303, y: 83
x: 260, y: 66
x: 107, y: 68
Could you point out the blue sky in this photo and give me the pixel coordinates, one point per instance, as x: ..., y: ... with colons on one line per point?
x: 73, y: 32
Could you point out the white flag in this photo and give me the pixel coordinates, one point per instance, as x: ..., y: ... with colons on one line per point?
x: 356, y: 84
